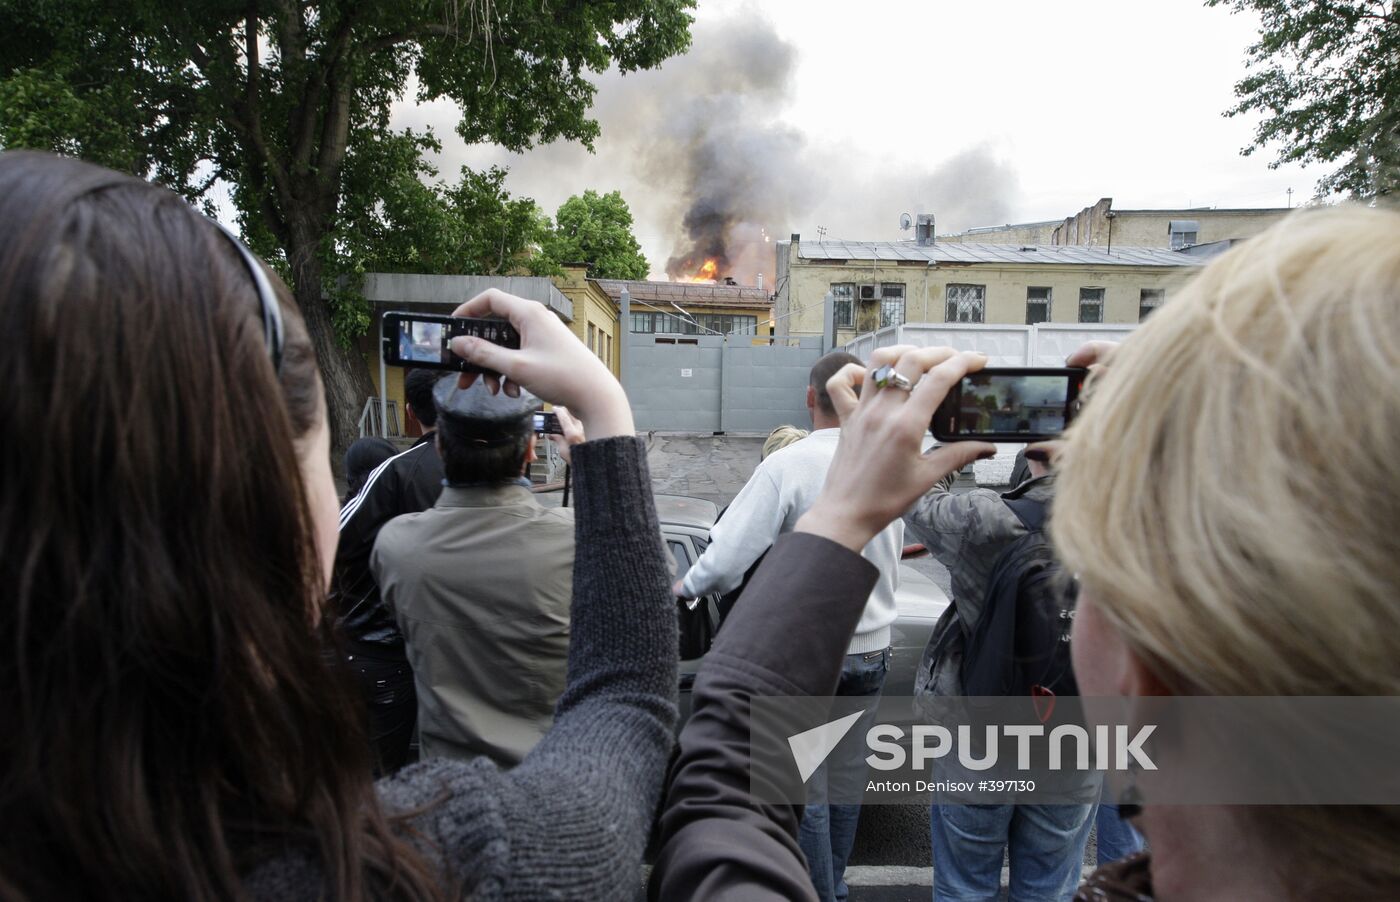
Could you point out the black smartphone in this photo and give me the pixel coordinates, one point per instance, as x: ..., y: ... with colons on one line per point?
x: 548, y: 424
x: 1010, y: 404
x: 423, y: 339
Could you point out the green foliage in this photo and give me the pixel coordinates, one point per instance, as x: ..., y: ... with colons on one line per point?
x: 596, y: 229
x: 290, y: 104
x: 1325, y: 75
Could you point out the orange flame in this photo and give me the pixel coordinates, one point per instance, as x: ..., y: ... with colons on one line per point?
x: 707, y: 272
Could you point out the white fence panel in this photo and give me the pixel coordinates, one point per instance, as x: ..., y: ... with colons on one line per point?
x: 1053, y: 342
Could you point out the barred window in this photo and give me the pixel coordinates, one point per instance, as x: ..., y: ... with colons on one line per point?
x: 1037, y: 306
x: 1149, y: 300
x: 843, y: 295
x: 891, y: 304
x: 1091, y: 305
x: 966, y: 304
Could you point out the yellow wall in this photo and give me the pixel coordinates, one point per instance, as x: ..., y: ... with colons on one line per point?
x: 592, y: 307
x: 1005, y: 295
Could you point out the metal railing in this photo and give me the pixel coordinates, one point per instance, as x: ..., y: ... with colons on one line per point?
x: 371, y: 422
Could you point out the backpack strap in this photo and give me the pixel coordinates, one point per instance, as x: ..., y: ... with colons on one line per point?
x: 1031, y: 513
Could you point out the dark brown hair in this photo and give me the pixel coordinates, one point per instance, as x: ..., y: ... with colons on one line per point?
x: 822, y: 371
x: 170, y: 715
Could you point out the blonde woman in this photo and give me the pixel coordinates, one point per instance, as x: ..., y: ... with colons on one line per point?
x: 780, y: 438
x: 1228, y: 501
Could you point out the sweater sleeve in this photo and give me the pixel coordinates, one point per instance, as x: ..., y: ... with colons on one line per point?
x: 948, y: 523
x: 571, y: 821
x: 787, y: 636
x: 749, y: 525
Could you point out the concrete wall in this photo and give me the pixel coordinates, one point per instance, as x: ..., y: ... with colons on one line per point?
x: 926, y: 291
x: 1016, y: 234
x: 1152, y: 228
x: 1045, y: 344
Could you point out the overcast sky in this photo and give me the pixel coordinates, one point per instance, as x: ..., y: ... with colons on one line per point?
x: 845, y: 115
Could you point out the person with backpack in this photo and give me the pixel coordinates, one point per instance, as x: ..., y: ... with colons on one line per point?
x: 1005, y: 633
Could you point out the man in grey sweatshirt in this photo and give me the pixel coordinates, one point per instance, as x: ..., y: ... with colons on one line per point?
x: 779, y: 492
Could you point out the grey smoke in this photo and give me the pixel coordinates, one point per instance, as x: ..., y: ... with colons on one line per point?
x: 701, y: 152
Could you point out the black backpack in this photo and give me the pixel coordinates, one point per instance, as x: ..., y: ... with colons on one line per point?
x: 1020, y: 643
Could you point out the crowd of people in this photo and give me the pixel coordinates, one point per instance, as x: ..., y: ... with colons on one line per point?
x: 215, y: 668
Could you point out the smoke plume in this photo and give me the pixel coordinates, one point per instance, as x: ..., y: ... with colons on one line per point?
x: 700, y: 150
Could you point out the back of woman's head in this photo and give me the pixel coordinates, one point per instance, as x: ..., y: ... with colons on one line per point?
x: 780, y: 438
x: 169, y: 715
x: 1228, y: 495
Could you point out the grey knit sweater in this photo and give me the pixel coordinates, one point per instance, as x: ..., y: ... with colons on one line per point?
x: 571, y: 821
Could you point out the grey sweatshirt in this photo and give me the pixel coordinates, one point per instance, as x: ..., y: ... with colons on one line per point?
x: 571, y: 821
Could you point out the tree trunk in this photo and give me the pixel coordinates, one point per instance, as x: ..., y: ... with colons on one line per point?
x: 343, y: 371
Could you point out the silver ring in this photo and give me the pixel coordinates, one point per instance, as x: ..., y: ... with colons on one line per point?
x: 887, y: 377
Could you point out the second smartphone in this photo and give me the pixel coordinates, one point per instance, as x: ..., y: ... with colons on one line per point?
x: 1010, y: 404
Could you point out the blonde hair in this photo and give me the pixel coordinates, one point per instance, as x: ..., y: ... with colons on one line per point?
x: 1228, y: 495
x: 780, y: 438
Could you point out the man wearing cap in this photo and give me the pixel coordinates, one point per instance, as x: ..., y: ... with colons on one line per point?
x: 480, y: 584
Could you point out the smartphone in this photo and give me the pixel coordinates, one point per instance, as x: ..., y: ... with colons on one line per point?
x: 548, y: 424
x: 423, y: 339
x: 1010, y: 404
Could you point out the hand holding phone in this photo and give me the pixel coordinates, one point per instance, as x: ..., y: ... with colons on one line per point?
x: 551, y: 362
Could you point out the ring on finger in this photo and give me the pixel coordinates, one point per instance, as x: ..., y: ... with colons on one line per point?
x: 888, y: 377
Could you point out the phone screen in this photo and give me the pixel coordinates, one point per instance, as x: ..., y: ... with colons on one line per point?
x: 1010, y: 405
x: 420, y: 341
x: 424, y: 340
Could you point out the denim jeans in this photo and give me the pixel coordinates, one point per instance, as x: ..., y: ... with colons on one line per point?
x: 1116, y: 837
x: 1045, y: 844
x: 829, y: 831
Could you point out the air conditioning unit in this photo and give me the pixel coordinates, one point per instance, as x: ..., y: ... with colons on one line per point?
x: 870, y: 292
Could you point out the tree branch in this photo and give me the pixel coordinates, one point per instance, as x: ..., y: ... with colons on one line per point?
x: 251, y: 118
x: 393, y: 39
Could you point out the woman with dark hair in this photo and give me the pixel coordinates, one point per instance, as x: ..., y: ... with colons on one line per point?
x: 173, y: 728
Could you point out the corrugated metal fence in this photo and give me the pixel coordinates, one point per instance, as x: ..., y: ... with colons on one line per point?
x: 717, y: 384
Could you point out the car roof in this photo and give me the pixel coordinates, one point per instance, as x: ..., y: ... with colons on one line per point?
x: 682, y: 510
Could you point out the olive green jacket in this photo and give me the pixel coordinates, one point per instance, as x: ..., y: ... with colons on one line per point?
x: 480, y: 585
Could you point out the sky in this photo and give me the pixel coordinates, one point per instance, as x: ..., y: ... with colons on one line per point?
x: 798, y: 116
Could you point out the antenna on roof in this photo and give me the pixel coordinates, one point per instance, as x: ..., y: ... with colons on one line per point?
x: 905, y: 222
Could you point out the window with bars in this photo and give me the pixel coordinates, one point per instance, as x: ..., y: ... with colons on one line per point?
x: 891, y: 304
x: 1037, y: 306
x: 966, y: 304
x: 1149, y: 300
x: 1091, y: 305
x: 843, y: 295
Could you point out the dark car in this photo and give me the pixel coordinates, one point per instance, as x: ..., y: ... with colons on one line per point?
x: 685, y: 525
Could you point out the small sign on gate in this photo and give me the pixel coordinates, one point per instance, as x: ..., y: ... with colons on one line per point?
x: 685, y: 374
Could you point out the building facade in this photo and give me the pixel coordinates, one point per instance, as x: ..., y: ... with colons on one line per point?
x: 673, y: 311
x: 1099, y: 225
x: 595, y: 319
x: 879, y: 284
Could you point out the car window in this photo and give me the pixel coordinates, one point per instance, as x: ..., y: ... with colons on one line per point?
x: 681, y: 555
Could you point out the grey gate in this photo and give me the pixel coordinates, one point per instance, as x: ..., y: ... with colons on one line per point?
x: 715, y: 384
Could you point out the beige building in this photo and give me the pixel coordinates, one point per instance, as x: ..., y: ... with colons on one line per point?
x: 595, y: 316
x: 673, y: 310
x: 1099, y: 225
x: 878, y: 284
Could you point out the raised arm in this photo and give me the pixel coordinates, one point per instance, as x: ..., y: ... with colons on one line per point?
x: 746, y: 530
x: 717, y: 838
x: 572, y: 820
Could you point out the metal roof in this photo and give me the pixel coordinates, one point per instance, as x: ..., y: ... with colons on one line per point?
x: 1062, y: 254
x: 696, y: 293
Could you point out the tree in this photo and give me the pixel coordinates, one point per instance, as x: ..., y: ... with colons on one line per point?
x: 289, y: 101
x: 1325, y: 74
x: 596, y: 229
